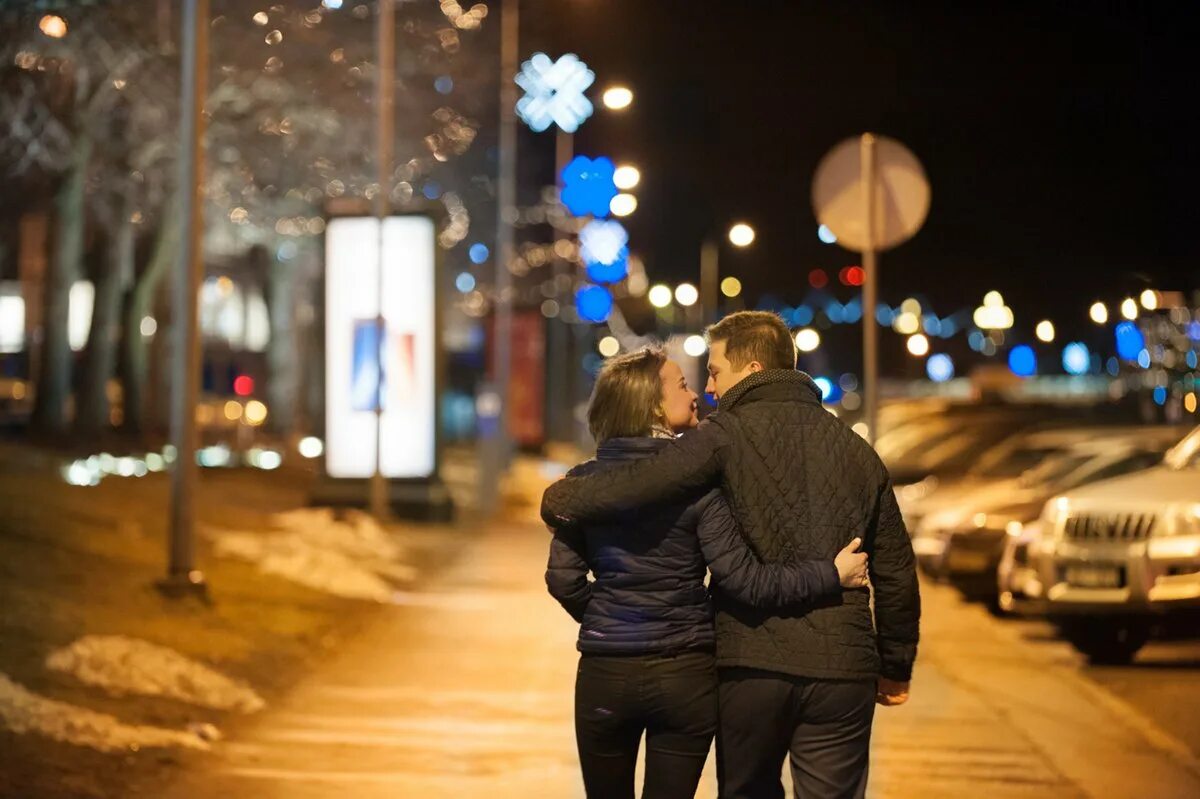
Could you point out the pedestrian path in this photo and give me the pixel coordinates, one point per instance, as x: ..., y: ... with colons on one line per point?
x: 466, y: 689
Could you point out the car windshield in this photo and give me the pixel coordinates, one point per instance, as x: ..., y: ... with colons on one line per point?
x: 1185, y: 454
x: 1012, y: 462
x: 1053, y: 469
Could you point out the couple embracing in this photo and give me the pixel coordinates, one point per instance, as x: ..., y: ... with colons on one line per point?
x: 773, y: 496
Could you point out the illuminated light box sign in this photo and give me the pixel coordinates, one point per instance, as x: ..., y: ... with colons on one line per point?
x: 353, y: 383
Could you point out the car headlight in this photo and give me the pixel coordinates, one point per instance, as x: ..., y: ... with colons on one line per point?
x: 1184, y: 521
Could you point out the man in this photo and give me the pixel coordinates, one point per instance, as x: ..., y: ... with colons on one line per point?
x: 802, y: 485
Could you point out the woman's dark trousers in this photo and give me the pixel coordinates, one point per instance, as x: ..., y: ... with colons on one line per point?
x: 671, y: 698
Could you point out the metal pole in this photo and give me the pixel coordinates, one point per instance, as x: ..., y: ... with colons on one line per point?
x: 561, y: 376
x: 182, y: 575
x: 870, y: 293
x: 384, y: 135
x: 709, y: 275
x: 494, y: 448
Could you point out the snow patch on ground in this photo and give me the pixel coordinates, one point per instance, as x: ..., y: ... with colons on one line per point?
x: 124, y: 666
x: 23, y: 711
x: 353, y: 557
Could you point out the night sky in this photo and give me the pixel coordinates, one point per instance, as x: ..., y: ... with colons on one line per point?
x: 1059, y: 139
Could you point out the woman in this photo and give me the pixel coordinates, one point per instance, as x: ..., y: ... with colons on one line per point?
x: 646, y: 625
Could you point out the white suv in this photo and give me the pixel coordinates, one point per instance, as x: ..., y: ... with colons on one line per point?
x: 1118, y: 555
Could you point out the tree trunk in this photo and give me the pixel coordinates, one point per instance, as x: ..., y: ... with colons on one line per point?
x: 140, y: 306
x: 92, y: 409
x: 54, y: 373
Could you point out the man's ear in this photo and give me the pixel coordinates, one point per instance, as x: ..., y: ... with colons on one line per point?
x: 755, y: 366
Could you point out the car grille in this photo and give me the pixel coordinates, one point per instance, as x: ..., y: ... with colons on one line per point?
x: 1114, y: 527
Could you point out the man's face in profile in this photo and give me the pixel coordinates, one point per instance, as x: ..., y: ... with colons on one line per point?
x: 721, y: 375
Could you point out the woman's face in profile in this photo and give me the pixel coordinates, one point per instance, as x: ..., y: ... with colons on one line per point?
x: 678, y: 401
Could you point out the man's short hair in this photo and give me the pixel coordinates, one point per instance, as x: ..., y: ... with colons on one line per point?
x: 755, y: 336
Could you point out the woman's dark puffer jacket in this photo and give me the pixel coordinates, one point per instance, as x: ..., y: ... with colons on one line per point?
x: 648, y: 596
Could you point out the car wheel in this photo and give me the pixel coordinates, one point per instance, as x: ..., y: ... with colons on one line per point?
x: 1106, y: 642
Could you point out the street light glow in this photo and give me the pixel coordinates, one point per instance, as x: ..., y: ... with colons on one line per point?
x: 623, y: 205
x: 993, y: 314
x: 1150, y: 300
x: 1045, y: 331
x: 918, y: 345
x: 686, y: 294
x: 731, y: 287
x: 1098, y: 313
x: 741, y: 235
x: 617, y: 98
x: 626, y: 177
x: 694, y: 346
x: 609, y: 346
x: 53, y: 26
x: 660, y: 296
x: 808, y: 340
x: 1129, y: 309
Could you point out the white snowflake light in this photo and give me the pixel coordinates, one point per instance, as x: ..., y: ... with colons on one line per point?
x: 602, y: 241
x: 554, y: 92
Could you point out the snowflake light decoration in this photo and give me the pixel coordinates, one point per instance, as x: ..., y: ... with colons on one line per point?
x: 554, y: 92
x: 603, y: 242
x: 588, y: 186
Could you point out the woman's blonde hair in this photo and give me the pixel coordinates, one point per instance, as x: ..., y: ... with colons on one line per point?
x: 627, y: 399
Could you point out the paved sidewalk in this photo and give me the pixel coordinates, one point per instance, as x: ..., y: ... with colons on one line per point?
x: 467, y: 690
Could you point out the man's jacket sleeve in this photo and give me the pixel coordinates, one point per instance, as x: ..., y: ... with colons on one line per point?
x: 567, y: 573
x: 739, y: 573
x: 684, y: 466
x: 894, y: 578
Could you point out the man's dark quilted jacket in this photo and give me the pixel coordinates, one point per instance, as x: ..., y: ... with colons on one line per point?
x: 802, y: 485
x: 648, y: 595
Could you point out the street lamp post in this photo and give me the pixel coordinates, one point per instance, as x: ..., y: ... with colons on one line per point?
x: 182, y: 575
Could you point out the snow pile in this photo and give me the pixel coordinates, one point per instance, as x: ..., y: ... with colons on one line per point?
x: 353, y: 558
x: 23, y: 712
x: 125, y: 666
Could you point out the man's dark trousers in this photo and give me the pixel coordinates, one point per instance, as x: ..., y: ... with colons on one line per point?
x: 825, y: 725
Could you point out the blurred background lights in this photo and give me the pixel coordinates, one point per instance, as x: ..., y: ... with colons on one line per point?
x: 617, y: 98
x: 53, y: 26
x: 311, y: 447
x: 939, y: 367
x: 478, y: 253
x: 1143, y: 359
x: 906, y: 323
x: 1129, y: 308
x: 731, y: 287
x: 993, y: 314
x: 626, y: 177
x: 818, y: 279
x: 256, y: 412
x: 694, y: 346
x: 1098, y: 313
x: 333, y: 5
x: 826, y: 235
x: 918, y: 345
x: 1149, y: 299
x: 623, y: 205
x: 659, y: 296
x: 808, y: 340
x: 1022, y: 360
x: 826, y: 386
x: 1130, y: 341
x: 444, y: 84
x: 686, y: 294
x: 741, y: 235
x: 1076, y: 359
x: 465, y: 282
x: 1045, y: 331
x: 609, y: 346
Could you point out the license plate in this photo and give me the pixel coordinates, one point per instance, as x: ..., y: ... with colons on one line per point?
x: 1095, y: 576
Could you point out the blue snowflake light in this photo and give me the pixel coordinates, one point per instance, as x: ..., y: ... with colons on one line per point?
x: 594, y: 303
x: 588, y: 186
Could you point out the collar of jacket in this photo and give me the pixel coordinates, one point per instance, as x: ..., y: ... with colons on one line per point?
x: 787, y: 383
x: 624, y: 448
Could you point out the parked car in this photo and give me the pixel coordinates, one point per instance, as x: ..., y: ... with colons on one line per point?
x: 973, y: 552
x: 1118, y: 556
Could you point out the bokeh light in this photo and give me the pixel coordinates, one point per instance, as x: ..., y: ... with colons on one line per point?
x: 659, y: 296
x: 939, y: 367
x: 695, y: 346
x: 609, y: 346
x: 731, y: 287
x: 478, y: 253
x: 1076, y: 359
x: 1149, y: 300
x: 1098, y: 313
x: 686, y: 294
x: 256, y: 412
x: 623, y: 205
x: 808, y: 340
x: 311, y: 447
x: 617, y: 98
x: 1130, y: 341
x: 1045, y: 331
x: 594, y: 303
x: 918, y: 345
x: 626, y: 177
x: 1022, y: 360
x: 1129, y: 308
x: 826, y: 235
x: 741, y: 235
x: 53, y: 26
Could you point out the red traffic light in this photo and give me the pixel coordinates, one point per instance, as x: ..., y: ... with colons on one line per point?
x: 852, y: 276
x: 243, y: 385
